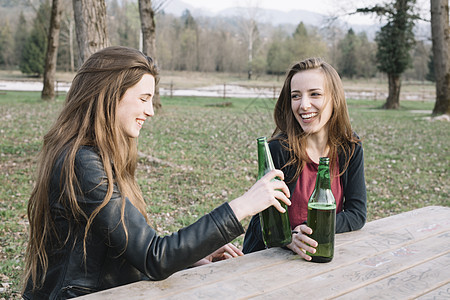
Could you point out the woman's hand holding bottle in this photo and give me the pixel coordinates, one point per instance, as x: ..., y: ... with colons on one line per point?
x: 301, y: 242
x: 264, y: 193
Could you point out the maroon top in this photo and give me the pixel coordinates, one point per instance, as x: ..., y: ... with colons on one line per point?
x: 298, y: 211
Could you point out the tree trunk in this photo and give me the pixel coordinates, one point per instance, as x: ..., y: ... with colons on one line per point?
x: 72, y: 60
x: 148, y: 28
x: 250, y: 56
x: 197, y: 47
x: 440, y: 32
x: 393, y: 99
x: 48, y: 92
x: 90, y: 26
x: 251, y: 38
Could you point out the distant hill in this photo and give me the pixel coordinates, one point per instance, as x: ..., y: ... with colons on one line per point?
x: 275, y: 17
x: 290, y: 19
x: 271, y: 16
x: 278, y: 17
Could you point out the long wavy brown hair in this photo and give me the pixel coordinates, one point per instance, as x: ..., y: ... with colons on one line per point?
x: 87, y: 118
x: 341, y: 138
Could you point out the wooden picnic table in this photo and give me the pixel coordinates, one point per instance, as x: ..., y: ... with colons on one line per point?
x: 398, y: 257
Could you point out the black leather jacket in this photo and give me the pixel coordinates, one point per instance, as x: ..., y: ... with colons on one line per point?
x: 110, y: 260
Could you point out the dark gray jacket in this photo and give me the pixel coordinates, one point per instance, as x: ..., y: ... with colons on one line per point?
x: 353, y: 214
x: 110, y: 260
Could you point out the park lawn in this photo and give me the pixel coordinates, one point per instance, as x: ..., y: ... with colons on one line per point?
x: 206, y: 155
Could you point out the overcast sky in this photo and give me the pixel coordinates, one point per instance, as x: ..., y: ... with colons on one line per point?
x: 326, y: 7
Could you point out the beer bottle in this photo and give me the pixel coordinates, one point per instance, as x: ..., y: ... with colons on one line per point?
x: 276, y: 229
x: 322, y: 214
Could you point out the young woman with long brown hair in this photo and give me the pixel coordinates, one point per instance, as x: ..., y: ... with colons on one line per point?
x: 88, y: 223
x: 312, y: 121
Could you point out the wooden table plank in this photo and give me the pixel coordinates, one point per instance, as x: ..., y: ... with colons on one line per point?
x: 407, y: 284
x: 418, y: 218
x: 365, y: 272
x: 440, y: 293
x: 364, y: 261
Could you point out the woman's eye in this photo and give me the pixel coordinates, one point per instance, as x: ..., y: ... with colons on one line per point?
x: 316, y: 94
x: 143, y: 100
x: 295, y: 96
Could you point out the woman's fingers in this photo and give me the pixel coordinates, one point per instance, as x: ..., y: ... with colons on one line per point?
x: 306, y: 240
x: 282, y: 197
x: 227, y: 251
x: 302, y: 243
x: 278, y: 206
x: 299, y: 250
x: 274, y: 173
x: 235, y: 252
x: 281, y: 186
x: 279, y: 196
x: 232, y: 250
x: 303, y: 228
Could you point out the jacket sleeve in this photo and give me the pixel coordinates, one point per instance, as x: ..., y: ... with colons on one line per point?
x: 157, y: 257
x: 353, y: 214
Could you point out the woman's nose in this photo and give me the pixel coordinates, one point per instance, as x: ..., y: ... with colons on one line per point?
x: 305, y: 104
x: 148, y: 109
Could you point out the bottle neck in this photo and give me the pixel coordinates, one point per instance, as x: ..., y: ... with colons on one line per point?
x: 322, y: 191
x: 323, y: 176
x: 265, y: 162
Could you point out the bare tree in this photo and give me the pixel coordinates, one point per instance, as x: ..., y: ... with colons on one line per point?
x: 440, y: 32
x: 48, y: 92
x: 248, y: 24
x: 147, y: 15
x: 90, y: 25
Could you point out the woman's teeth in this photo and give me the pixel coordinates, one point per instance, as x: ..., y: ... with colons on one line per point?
x: 308, y: 116
x: 140, y: 122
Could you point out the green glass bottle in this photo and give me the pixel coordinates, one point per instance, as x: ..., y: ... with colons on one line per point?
x: 276, y: 229
x: 322, y: 214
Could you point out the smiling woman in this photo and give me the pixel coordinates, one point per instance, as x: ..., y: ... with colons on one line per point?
x: 89, y: 229
x: 312, y: 121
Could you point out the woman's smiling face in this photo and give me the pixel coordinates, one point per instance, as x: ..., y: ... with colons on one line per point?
x: 136, y: 106
x: 309, y: 101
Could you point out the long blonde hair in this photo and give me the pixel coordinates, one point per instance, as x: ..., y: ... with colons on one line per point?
x: 87, y: 118
x: 340, y: 134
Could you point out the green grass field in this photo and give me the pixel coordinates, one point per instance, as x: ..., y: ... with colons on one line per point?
x: 209, y: 156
